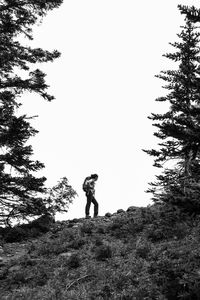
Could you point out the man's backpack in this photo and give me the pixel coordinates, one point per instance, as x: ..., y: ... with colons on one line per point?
x: 85, y: 184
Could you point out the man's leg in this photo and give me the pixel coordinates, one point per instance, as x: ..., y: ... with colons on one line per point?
x: 87, y: 207
x: 96, y: 206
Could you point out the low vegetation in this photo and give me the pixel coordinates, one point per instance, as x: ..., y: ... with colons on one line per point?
x: 147, y: 253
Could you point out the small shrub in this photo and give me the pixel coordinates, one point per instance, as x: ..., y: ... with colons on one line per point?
x: 180, y: 230
x: 142, y: 251
x: 101, y: 229
x: 118, y: 228
x: 87, y: 228
x: 41, y: 279
x: 51, y: 248
x: 116, y: 224
x: 34, y: 232
x: 154, y: 233
x: 103, y: 252
x: 157, y: 232
x: 18, y: 277
x: 15, y: 234
x: 74, y: 261
x: 25, y: 293
x: 106, y: 292
x: 142, y: 248
x: 135, y: 226
x: 43, y: 223
x: 67, y: 235
x: 98, y: 241
x: 76, y: 244
x: 123, y: 226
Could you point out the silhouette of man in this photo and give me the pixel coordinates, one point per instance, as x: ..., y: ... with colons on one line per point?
x: 89, y: 188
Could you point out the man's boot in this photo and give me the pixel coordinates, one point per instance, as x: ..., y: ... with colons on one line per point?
x: 88, y: 217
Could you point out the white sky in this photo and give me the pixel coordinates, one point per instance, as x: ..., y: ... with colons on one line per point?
x: 105, y: 88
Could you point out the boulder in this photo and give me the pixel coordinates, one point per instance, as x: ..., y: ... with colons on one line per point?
x: 108, y: 215
x: 77, y: 225
x: 119, y: 211
x: 75, y: 220
x: 132, y: 208
x: 66, y: 254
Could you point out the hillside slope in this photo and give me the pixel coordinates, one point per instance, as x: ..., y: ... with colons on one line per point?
x: 144, y: 253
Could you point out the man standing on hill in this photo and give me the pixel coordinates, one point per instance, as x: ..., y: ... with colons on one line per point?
x: 89, y: 189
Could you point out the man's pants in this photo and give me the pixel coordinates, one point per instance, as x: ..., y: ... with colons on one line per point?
x: 91, y: 199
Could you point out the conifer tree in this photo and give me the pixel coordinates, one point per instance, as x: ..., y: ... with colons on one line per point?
x: 179, y: 127
x: 19, y: 188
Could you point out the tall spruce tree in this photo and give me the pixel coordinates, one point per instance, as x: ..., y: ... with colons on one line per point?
x: 179, y: 127
x: 19, y: 188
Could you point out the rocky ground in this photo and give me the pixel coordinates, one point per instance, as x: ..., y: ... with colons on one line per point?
x: 11, y: 253
x: 139, y: 254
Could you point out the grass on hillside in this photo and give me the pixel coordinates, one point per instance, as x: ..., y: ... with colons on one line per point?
x: 152, y: 253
